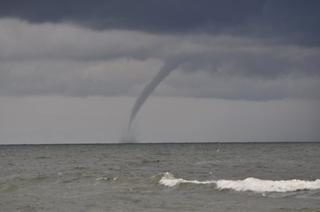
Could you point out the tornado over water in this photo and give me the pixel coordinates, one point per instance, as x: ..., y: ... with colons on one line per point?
x: 149, y: 88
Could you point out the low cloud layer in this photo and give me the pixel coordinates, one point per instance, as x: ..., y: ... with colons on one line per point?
x: 69, y: 60
x: 289, y: 20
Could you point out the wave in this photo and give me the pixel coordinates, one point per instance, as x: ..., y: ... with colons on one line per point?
x: 248, y: 184
x: 169, y: 180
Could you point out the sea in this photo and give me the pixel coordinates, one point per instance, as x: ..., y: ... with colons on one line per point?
x: 162, y: 177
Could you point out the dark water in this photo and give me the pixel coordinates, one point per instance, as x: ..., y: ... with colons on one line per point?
x: 97, y: 178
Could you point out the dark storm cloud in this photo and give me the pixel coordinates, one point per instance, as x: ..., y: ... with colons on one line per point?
x: 231, y: 49
x: 289, y: 20
x: 63, y: 59
x: 149, y: 14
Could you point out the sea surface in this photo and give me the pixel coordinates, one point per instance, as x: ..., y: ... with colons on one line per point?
x: 160, y: 177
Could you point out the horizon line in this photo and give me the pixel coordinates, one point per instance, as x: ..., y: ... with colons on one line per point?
x: 156, y: 143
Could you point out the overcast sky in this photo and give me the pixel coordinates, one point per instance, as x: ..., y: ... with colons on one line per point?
x: 70, y: 70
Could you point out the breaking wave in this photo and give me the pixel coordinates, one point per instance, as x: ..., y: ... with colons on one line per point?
x: 248, y: 184
x: 169, y: 180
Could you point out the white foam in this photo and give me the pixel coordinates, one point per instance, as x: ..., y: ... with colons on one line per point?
x: 248, y: 184
x: 169, y: 180
x: 258, y: 185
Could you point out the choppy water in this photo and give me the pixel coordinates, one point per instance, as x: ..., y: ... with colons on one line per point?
x: 160, y: 177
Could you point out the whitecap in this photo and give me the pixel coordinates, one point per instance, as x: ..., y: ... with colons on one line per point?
x: 248, y: 184
x: 169, y: 180
x: 261, y: 186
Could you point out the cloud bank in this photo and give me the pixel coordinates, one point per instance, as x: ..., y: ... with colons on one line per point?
x: 290, y: 19
x: 70, y: 60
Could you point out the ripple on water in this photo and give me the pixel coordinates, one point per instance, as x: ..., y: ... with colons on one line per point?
x: 15, y: 182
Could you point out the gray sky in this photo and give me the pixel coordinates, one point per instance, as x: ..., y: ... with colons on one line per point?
x: 71, y: 70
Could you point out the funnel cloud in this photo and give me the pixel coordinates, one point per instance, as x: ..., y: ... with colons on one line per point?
x: 166, y: 69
